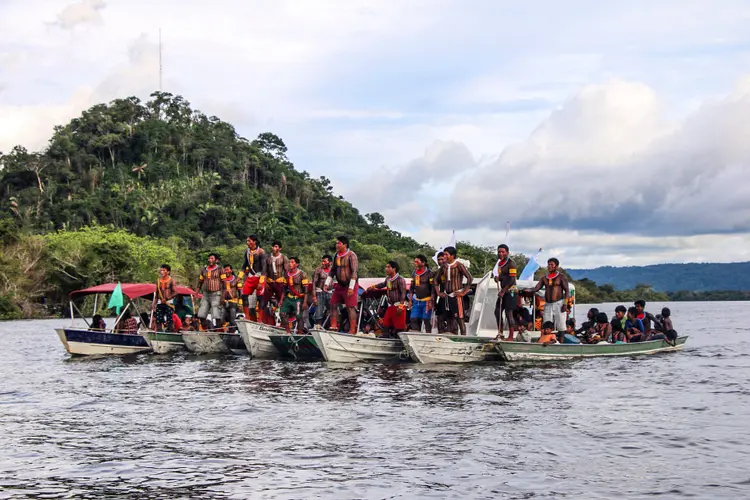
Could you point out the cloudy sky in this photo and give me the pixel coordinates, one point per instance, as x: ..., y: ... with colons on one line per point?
x: 608, y: 133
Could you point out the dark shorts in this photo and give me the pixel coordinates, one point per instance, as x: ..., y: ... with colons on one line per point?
x: 291, y: 306
x: 455, y: 307
x: 341, y: 296
x: 274, y: 290
x: 164, y: 315
x: 439, y: 306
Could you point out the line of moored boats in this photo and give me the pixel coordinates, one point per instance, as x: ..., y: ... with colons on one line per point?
x: 268, y: 342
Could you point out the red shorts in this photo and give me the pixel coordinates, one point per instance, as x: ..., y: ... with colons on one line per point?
x: 341, y: 296
x: 274, y: 289
x: 395, y: 317
x: 251, y: 284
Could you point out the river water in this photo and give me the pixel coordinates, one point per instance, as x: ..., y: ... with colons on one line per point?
x: 147, y: 426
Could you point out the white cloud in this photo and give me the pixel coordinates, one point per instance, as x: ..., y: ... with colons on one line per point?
x: 81, y: 12
x: 388, y: 189
x: 607, y: 160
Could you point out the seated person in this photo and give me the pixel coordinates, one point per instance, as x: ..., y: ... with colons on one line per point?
x: 649, y: 321
x: 618, y: 320
x: 128, y: 324
x: 666, y: 329
x: 176, y: 323
x: 602, y: 329
x: 521, y: 317
x: 97, y: 323
x: 634, y: 330
x: 569, y: 335
x: 188, y: 325
x: 588, y: 328
x: 548, y: 336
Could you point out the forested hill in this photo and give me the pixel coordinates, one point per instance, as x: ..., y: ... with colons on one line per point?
x: 131, y: 184
x: 162, y: 169
x: 672, y: 277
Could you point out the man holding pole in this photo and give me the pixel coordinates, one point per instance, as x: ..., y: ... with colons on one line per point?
x: 505, y: 277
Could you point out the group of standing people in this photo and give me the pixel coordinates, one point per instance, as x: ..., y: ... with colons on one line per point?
x: 270, y: 281
x: 556, y: 294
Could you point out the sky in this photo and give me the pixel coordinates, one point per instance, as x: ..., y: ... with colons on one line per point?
x: 606, y: 133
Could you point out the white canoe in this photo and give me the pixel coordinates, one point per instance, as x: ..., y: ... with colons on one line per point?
x: 163, y: 342
x: 255, y: 335
x: 205, y: 343
x: 437, y: 348
x: 347, y: 348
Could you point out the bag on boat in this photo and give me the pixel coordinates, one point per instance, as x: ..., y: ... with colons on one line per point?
x: 570, y: 339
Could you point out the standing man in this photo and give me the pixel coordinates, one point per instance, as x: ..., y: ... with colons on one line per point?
x: 296, y: 299
x: 556, y: 292
x: 344, y: 272
x: 209, y: 283
x: 321, y: 298
x: 394, y: 319
x: 421, y: 296
x: 505, y: 277
x: 454, y: 274
x: 277, y: 267
x: 230, y: 297
x: 441, y: 318
x: 164, y: 298
x: 252, y: 271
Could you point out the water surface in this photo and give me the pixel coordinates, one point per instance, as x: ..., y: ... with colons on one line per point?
x: 153, y: 426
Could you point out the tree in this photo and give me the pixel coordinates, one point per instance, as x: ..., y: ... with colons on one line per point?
x: 375, y: 219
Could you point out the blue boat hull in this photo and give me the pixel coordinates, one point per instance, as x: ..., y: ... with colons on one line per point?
x: 88, y: 342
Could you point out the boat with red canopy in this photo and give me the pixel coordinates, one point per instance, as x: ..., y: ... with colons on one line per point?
x: 89, y: 341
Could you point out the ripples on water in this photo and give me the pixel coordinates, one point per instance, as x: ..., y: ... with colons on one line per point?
x: 230, y: 427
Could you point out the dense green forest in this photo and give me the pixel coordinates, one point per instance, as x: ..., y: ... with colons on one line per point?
x: 698, y: 277
x: 130, y: 185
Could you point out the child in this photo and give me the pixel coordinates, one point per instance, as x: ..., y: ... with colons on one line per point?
x: 548, y: 336
x: 634, y: 331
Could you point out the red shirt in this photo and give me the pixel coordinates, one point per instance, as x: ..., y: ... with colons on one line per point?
x: 177, y: 322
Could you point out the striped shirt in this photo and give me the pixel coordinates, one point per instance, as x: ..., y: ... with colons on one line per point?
x: 276, y: 268
x: 320, y: 276
x: 345, y: 267
x: 297, y: 284
x: 230, y: 292
x: 254, y: 263
x: 421, y: 284
x: 210, y: 279
x: 395, y: 289
x: 454, y: 275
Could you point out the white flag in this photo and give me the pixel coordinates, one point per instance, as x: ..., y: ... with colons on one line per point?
x: 531, y: 267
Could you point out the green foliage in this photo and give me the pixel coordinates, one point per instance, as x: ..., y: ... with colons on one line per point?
x: 588, y: 292
x: 8, y: 308
x: 708, y: 296
x: 93, y: 255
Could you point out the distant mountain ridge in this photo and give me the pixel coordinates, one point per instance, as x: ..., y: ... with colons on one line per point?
x: 695, y: 277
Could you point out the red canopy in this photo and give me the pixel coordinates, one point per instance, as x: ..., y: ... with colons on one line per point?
x: 131, y: 290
